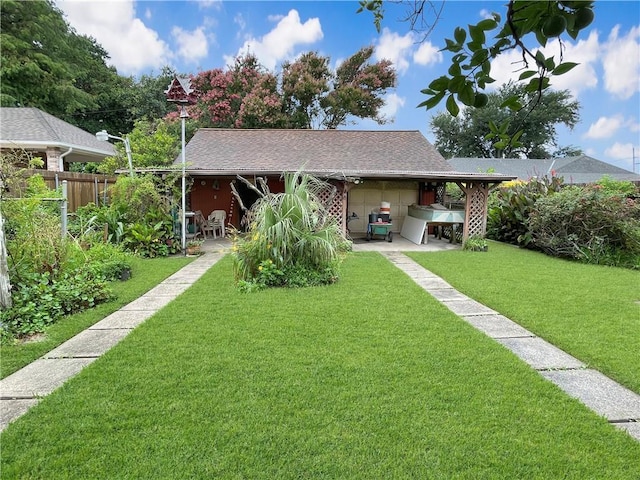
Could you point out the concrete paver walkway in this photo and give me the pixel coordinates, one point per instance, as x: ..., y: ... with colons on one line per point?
x: 23, y: 389
x: 619, y: 405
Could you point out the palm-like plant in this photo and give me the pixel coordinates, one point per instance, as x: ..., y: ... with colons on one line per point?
x: 291, y: 229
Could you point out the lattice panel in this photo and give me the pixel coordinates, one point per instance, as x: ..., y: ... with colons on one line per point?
x: 475, y: 212
x: 335, y: 207
x: 440, y: 192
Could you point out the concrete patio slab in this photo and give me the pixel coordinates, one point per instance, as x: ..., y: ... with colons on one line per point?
x: 127, y: 319
x: 41, y: 377
x: 149, y: 303
x: 430, y: 282
x: 468, y: 307
x: 497, y: 326
x: 540, y: 354
x: 448, y: 294
x: 12, y: 409
x: 632, y: 428
x: 174, y: 289
x: 598, y: 392
x: 89, y: 343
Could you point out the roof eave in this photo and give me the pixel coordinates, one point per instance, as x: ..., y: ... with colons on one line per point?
x: 32, y: 144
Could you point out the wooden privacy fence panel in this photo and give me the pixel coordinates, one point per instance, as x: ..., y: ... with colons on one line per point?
x: 82, y: 188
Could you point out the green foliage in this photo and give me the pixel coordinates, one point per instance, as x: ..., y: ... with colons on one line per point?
x: 620, y: 187
x: 474, y: 48
x: 40, y: 299
x: 152, y: 145
x: 108, y: 261
x: 291, y: 241
x: 495, y: 131
x: 136, y: 196
x: 46, y: 64
x: 588, y: 224
x: 475, y: 243
x: 511, y: 205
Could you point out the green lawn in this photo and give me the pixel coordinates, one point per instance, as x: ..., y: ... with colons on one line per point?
x: 145, y: 274
x: 370, y: 378
x: 590, y: 311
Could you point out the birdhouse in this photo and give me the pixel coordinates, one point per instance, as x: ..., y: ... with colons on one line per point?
x: 180, y: 91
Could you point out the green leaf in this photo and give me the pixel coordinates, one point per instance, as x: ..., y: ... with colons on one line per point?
x: 467, y: 96
x: 452, y: 106
x: 455, y: 70
x: 487, y: 24
x: 477, y: 34
x: 527, y: 74
x: 563, y: 68
x: 456, y: 84
x: 460, y: 35
x: 440, y: 83
x: 433, y: 101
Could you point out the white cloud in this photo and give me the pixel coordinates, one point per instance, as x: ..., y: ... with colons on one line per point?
x: 280, y: 43
x: 604, y: 127
x: 192, y: 46
x: 132, y: 46
x: 147, y: 14
x: 392, y: 103
x: 427, y: 54
x: 508, y: 66
x: 622, y: 151
x: 395, y: 48
x: 621, y: 62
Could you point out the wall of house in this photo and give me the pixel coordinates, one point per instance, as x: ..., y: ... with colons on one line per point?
x: 366, y: 198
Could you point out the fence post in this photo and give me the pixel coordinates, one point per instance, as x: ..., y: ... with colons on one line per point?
x: 63, y: 209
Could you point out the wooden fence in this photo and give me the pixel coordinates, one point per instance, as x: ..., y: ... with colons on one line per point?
x: 82, y: 188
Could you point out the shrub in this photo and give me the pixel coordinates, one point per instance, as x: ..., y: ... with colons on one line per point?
x: 291, y: 241
x: 108, y: 261
x: 588, y: 224
x: 39, y: 300
x: 512, y: 203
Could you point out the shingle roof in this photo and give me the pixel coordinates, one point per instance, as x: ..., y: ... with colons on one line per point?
x: 577, y: 170
x: 28, y: 127
x: 325, y: 152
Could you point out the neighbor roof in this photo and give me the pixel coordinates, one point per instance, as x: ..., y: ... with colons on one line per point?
x: 575, y: 170
x: 32, y: 129
x: 327, y: 153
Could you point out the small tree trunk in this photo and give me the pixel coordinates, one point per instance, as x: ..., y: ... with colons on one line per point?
x: 5, y: 285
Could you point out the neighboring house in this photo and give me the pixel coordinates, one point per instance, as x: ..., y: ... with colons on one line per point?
x: 43, y: 135
x: 366, y: 167
x: 575, y: 170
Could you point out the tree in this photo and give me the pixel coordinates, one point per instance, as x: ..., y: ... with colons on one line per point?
x: 469, y: 134
x: 309, y: 95
x: 152, y: 145
x: 45, y: 64
x: 475, y: 47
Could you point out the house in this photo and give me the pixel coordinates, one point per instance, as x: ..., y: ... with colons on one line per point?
x: 581, y: 169
x: 43, y: 135
x: 367, y: 168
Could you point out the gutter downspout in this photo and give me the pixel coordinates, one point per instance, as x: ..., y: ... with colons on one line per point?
x: 61, y: 158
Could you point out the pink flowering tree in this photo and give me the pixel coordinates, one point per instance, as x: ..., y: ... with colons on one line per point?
x: 307, y: 95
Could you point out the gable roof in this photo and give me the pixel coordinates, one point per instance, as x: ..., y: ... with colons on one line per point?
x: 575, y: 170
x: 32, y: 129
x: 326, y: 153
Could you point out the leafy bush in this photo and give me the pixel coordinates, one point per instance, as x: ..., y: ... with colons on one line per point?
x: 588, y: 224
x: 291, y: 241
x: 39, y: 300
x: 108, y: 261
x: 511, y: 205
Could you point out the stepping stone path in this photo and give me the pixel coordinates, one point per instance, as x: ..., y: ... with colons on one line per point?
x: 24, y: 388
x: 619, y: 405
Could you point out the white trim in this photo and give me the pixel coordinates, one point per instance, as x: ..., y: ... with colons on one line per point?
x: 44, y: 145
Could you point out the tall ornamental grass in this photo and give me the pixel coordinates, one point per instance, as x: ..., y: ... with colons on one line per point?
x: 292, y: 240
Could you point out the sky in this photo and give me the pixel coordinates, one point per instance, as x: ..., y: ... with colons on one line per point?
x: 192, y: 36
